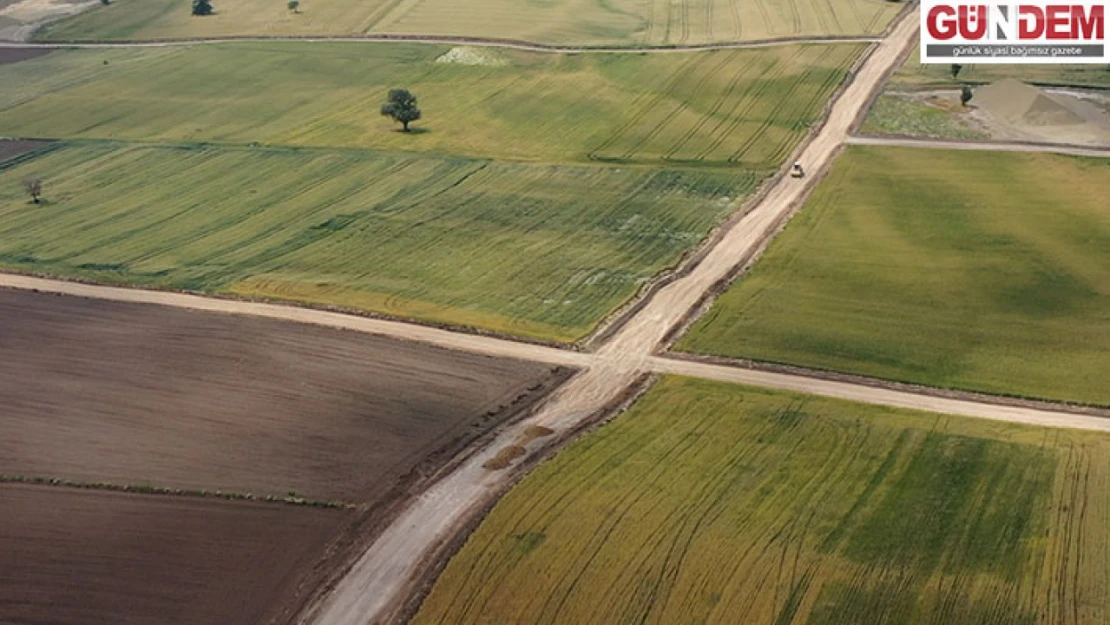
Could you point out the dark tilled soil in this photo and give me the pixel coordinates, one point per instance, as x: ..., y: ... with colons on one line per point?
x: 15, y: 147
x: 75, y: 557
x: 92, y: 390
x: 15, y: 55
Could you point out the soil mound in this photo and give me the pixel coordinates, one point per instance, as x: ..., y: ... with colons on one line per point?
x: 1019, y: 103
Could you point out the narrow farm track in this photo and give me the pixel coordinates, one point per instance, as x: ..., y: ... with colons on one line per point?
x: 375, y: 588
x: 509, y: 44
x: 994, y: 146
x: 462, y: 341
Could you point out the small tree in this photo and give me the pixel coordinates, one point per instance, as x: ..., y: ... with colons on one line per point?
x: 294, y: 5
x: 33, y: 187
x: 105, y: 2
x: 202, y: 7
x: 956, y: 67
x: 401, y: 106
x: 965, y: 95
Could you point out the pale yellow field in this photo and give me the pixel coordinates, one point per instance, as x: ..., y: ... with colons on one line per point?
x: 571, y: 22
x: 716, y: 504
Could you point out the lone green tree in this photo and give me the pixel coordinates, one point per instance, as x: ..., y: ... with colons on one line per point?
x: 401, y: 106
x: 202, y: 7
x: 294, y: 6
x: 33, y: 187
x: 956, y: 67
x: 965, y: 95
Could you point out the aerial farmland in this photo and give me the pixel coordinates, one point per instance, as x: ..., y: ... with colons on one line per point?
x: 571, y: 312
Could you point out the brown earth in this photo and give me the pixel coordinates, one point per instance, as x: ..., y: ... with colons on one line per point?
x: 15, y: 55
x: 95, y: 391
x: 15, y: 147
x: 83, y: 557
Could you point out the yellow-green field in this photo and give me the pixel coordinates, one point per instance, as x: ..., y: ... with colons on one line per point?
x: 716, y: 504
x: 542, y: 251
x: 746, y: 107
x: 577, y: 22
x: 974, y: 270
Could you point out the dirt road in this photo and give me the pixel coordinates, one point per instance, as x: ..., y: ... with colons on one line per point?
x: 994, y: 146
x: 371, y: 590
x: 408, y: 331
x: 874, y: 394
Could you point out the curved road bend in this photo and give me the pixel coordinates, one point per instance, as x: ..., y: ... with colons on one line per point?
x: 373, y: 587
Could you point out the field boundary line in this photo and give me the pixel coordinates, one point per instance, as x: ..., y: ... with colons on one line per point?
x: 439, y: 336
x: 1070, y: 149
x: 484, y: 42
x: 901, y: 386
x: 165, y: 491
x: 880, y: 394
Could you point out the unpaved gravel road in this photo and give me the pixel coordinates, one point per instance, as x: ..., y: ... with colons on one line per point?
x: 879, y: 395
x: 396, y: 329
x: 993, y: 146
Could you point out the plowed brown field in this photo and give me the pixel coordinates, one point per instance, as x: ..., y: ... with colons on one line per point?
x: 131, y: 394
x: 73, y: 557
x: 93, y: 391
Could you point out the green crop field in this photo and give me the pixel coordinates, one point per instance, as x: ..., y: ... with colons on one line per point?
x: 542, y: 251
x: 580, y: 22
x: 745, y: 107
x: 713, y: 503
x: 972, y: 270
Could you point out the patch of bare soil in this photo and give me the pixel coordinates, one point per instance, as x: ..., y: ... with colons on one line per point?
x: 105, y: 391
x: 76, y: 557
x: 15, y: 147
x: 15, y: 55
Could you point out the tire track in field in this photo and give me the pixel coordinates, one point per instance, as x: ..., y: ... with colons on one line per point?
x: 708, y: 19
x: 543, y: 509
x: 717, y: 506
x: 750, y: 100
x: 726, y: 95
x: 605, y: 466
x: 641, y: 110
x: 737, y: 24
x: 600, y: 536
x: 682, y: 105
x: 766, y: 15
x: 800, y: 112
x: 795, y: 16
x: 641, y: 564
x: 767, y: 121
